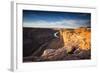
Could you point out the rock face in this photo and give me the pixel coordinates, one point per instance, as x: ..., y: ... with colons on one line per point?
x: 42, y: 44
x: 80, y: 37
x: 37, y: 38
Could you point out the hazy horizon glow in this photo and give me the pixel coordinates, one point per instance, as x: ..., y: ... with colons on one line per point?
x: 33, y: 18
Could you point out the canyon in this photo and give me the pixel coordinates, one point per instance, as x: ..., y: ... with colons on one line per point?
x: 51, y: 44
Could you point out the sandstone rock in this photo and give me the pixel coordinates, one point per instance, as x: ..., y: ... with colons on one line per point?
x: 54, y: 54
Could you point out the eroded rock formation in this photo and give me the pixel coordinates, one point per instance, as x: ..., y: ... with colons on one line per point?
x: 67, y: 44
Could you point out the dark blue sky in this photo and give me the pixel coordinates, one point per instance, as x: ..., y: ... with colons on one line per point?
x: 33, y: 18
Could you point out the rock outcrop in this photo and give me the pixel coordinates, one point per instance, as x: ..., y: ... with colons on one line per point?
x: 41, y: 44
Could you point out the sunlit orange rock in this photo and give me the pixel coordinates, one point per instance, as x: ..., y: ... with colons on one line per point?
x: 80, y: 37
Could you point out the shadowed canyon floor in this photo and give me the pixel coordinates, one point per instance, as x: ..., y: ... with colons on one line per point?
x: 44, y: 44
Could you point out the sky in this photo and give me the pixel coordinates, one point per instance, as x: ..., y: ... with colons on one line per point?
x: 33, y: 18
